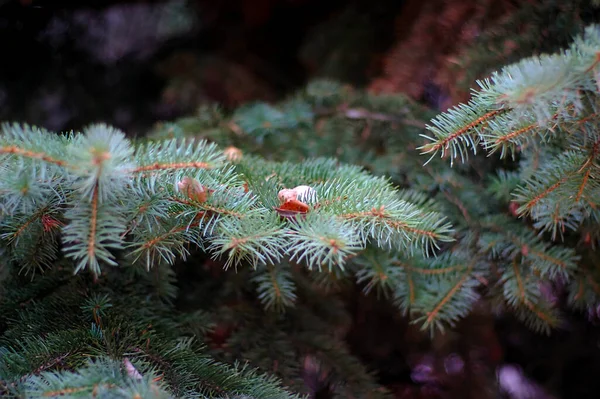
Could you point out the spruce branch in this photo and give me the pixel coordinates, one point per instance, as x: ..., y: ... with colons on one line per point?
x: 32, y: 143
x: 235, y: 215
x: 258, y: 240
x: 584, y: 290
x: 509, y: 240
x: 540, y: 102
x: 537, y: 89
x: 162, y: 243
x: 324, y: 242
x: 95, y: 216
x: 522, y: 293
x: 448, y: 296
x: 275, y: 286
x: 103, y: 378
x: 378, y: 271
x: 455, y: 132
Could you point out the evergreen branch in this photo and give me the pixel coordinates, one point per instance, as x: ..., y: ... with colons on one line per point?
x: 23, y: 223
x: 523, y: 295
x: 434, y: 312
x: 113, y: 195
x: 377, y: 211
x: 510, y: 241
x: 586, y: 169
x: 93, y: 230
x: 584, y: 289
x: 206, y: 208
x: 319, y: 241
x: 259, y: 240
x: 458, y: 126
x: 33, y: 243
x: 24, y: 191
x: 379, y: 271
x: 333, y: 356
x: 519, y: 281
x: 451, y: 302
x: 100, y: 219
x: 523, y: 101
x: 408, y: 286
x: 149, y: 208
x: 162, y: 244
x: 34, y: 355
x: 503, y: 184
x: 432, y: 272
x: 530, y: 203
x: 276, y: 288
x: 33, y: 143
x: 510, y: 133
x: 95, y: 219
x: 460, y: 205
x: 101, y: 379
x: 582, y: 186
x: 381, y: 215
x: 173, y: 155
x: 14, y: 150
x: 196, y: 373
x: 171, y: 166
x: 511, y: 136
x: 91, y: 246
x: 554, y: 184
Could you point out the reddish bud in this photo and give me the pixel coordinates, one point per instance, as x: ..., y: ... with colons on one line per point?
x: 48, y: 222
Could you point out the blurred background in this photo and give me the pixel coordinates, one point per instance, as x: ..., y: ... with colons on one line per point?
x: 132, y: 63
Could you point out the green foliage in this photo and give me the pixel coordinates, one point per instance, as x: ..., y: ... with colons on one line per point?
x: 541, y: 102
x: 541, y: 112
x: 102, y: 379
x: 128, y: 211
x: 101, y: 174
x: 155, y: 221
x: 535, y: 120
x: 65, y: 341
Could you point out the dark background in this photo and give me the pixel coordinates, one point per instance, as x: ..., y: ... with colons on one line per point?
x: 131, y: 63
